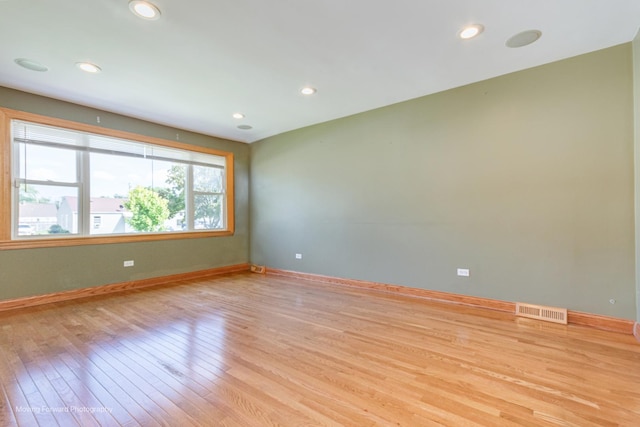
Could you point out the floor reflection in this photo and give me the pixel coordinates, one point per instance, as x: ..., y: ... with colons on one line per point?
x: 93, y: 361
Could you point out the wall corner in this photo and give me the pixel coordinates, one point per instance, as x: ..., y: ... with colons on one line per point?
x: 636, y: 166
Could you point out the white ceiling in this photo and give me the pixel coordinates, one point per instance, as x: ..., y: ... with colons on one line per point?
x: 206, y: 59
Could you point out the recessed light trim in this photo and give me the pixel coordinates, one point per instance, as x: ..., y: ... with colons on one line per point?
x: 31, y: 65
x: 524, y: 38
x: 308, y: 90
x: 144, y: 10
x: 88, y: 67
x: 471, y: 31
x: 245, y: 127
x: 238, y: 116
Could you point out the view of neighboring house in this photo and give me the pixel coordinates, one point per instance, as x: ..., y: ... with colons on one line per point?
x: 38, y: 216
x: 107, y: 215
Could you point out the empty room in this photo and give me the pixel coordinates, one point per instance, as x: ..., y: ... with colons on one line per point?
x: 296, y: 213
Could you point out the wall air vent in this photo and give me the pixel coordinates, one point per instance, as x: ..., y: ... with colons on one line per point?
x: 540, y: 312
x: 260, y: 269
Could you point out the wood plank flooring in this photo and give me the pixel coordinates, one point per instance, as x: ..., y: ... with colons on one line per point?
x: 253, y: 350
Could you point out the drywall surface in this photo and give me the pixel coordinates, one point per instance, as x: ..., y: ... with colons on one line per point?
x: 636, y: 121
x: 41, y: 271
x: 525, y: 179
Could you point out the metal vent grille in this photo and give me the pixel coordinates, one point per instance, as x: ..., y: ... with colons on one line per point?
x: 258, y: 269
x: 549, y: 314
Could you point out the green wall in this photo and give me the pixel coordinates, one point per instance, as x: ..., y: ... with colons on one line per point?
x: 526, y: 179
x: 636, y: 120
x: 29, y: 272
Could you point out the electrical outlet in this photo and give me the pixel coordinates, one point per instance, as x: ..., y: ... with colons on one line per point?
x: 298, y: 256
x: 128, y: 263
x: 464, y: 272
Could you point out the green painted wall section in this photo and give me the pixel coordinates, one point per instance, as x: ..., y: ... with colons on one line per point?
x: 40, y: 271
x: 636, y: 121
x: 526, y: 179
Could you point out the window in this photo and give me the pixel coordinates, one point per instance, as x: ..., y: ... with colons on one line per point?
x: 71, y: 181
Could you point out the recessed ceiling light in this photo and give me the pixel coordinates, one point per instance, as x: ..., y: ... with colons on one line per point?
x: 31, y: 65
x: 245, y: 127
x: 308, y: 90
x: 471, y: 31
x: 524, y: 38
x: 238, y: 116
x: 144, y: 9
x: 88, y: 67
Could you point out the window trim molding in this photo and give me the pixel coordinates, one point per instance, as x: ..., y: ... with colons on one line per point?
x: 6, y: 115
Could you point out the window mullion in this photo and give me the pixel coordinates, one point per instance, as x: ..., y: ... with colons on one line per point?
x: 84, y: 193
x: 22, y: 181
x: 189, y: 202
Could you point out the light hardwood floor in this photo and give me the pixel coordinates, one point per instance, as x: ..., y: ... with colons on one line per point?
x: 253, y: 350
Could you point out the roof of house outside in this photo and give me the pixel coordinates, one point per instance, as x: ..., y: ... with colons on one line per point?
x: 99, y: 204
x: 38, y: 210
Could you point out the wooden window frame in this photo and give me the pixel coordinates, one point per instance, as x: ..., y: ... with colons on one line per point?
x: 6, y: 241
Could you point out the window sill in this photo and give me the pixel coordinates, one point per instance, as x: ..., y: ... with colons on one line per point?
x: 34, y: 242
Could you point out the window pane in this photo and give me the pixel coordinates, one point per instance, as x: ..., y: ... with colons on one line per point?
x: 47, y: 209
x: 208, y: 212
x: 46, y: 164
x: 208, y: 180
x: 114, y: 176
x: 154, y: 182
x: 171, y: 179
